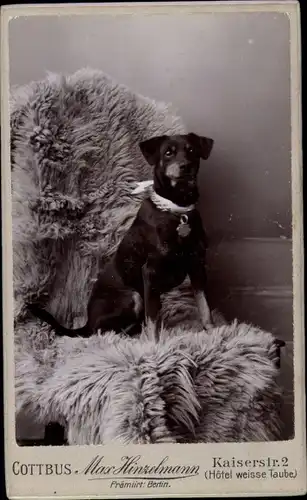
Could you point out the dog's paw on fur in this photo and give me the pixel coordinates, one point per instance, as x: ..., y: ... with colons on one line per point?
x: 218, y: 318
x: 208, y: 327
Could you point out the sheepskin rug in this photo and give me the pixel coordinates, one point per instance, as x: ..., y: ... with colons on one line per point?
x: 75, y: 162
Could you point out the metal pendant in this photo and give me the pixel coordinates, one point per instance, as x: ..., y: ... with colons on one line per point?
x: 184, y: 229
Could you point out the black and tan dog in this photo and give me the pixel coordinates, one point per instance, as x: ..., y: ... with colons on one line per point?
x: 165, y: 243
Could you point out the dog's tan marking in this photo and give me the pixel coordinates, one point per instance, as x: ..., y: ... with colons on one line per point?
x: 173, y: 172
x: 203, y: 309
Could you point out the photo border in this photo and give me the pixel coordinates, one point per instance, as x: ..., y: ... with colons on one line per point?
x: 295, y: 449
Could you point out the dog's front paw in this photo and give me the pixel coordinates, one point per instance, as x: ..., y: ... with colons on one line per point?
x: 208, y: 327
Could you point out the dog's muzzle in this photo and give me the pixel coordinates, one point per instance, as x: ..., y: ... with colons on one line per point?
x: 187, y: 180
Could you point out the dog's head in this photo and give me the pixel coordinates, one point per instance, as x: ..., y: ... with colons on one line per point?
x: 176, y: 162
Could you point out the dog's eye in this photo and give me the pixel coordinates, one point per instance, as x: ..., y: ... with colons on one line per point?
x: 190, y: 150
x: 169, y: 152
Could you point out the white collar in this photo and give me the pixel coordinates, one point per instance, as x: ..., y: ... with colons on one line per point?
x: 162, y: 203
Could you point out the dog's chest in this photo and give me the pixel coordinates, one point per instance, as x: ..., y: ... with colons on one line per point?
x: 170, y: 238
x: 155, y: 237
x: 174, y: 241
x: 171, y: 255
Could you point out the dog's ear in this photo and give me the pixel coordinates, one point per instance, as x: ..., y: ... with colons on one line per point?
x: 151, y: 149
x: 204, y: 145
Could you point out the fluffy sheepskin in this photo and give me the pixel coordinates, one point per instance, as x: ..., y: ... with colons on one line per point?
x: 75, y: 161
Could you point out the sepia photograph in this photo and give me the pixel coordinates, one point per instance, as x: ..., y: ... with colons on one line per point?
x: 152, y: 235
